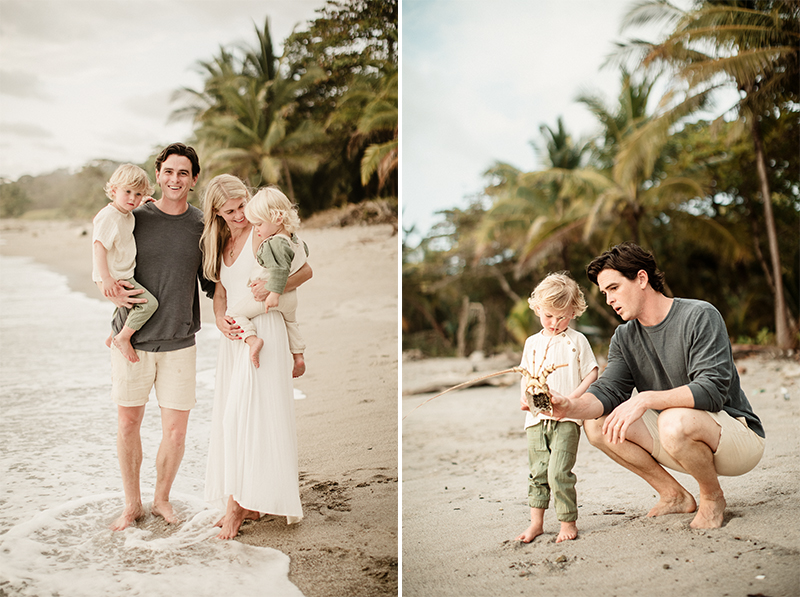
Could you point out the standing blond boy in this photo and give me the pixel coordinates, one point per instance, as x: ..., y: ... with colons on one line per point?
x: 553, y: 444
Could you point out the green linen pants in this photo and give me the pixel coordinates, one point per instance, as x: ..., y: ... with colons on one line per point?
x: 552, y: 451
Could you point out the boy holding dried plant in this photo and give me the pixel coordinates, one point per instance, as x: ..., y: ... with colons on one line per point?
x: 553, y: 444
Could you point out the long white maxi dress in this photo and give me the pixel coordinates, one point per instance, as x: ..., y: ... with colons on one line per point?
x: 253, y: 450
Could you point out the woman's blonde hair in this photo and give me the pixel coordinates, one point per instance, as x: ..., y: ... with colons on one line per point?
x: 269, y: 204
x: 216, y: 233
x: 131, y: 177
x: 559, y: 292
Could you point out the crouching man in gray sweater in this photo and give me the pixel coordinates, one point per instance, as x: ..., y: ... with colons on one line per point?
x: 689, y: 413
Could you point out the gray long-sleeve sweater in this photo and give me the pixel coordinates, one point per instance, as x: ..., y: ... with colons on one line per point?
x: 690, y: 347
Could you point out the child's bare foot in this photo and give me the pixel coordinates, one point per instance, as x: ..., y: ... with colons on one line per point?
x: 255, y: 343
x: 129, y: 515
x: 165, y: 511
x: 531, y: 533
x: 126, y: 348
x: 568, y: 532
x: 299, y: 365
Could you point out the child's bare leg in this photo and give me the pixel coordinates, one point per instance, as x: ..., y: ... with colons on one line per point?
x: 123, y: 342
x: 255, y: 343
x: 568, y: 532
x: 536, y: 528
x: 299, y: 365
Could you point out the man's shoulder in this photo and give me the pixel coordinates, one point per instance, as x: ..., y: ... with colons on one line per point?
x: 692, y: 308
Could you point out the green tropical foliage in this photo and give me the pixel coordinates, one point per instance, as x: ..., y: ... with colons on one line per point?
x: 722, y: 230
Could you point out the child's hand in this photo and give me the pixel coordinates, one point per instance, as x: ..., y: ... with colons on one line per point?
x: 271, y: 301
x: 112, y: 288
x: 523, y: 402
x: 148, y: 199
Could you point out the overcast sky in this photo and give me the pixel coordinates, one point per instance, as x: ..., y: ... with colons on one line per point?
x: 86, y: 79
x: 478, y: 80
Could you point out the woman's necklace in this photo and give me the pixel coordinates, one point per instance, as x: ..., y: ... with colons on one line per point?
x: 234, y: 242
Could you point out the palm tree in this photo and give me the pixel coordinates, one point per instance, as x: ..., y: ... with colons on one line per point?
x: 371, y: 103
x: 244, y: 116
x: 754, y: 46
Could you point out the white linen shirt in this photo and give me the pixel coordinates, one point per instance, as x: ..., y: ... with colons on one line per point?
x: 570, y: 347
x: 114, y: 230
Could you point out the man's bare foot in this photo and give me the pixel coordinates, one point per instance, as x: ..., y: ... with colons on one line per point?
x: 255, y: 343
x: 710, y: 513
x: 129, y: 515
x: 568, y: 532
x: 531, y: 533
x: 125, y: 348
x: 165, y: 511
x: 299, y: 365
x: 679, y: 504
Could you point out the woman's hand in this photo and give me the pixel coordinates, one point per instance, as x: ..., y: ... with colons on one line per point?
x: 227, y: 325
x: 258, y: 288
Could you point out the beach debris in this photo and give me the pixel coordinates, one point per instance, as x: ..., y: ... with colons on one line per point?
x: 537, y: 393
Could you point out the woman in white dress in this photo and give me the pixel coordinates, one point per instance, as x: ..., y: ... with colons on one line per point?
x: 252, y: 457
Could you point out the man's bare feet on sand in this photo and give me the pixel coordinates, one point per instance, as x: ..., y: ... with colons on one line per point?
x: 256, y: 344
x: 711, y: 512
x: 165, y: 511
x: 125, y: 348
x: 531, y: 533
x: 568, y: 532
x: 678, y: 504
x: 129, y: 515
x: 299, y: 365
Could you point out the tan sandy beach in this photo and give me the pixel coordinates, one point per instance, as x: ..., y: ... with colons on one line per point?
x: 464, y: 501
x: 347, y: 543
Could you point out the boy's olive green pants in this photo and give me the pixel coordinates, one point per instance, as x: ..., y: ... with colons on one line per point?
x: 552, y: 450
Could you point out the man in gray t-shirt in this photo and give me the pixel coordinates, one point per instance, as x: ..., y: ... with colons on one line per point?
x: 689, y: 413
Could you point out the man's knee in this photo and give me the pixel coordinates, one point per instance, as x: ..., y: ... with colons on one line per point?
x: 129, y: 420
x: 174, y: 426
x: 677, y: 426
x: 594, y: 431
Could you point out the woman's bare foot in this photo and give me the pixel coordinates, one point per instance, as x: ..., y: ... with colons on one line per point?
x: 255, y: 343
x: 125, y: 348
x: 249, y: 515
x: 711, y: 512
x: 165, y: 511
x: 568, y: 532
x: 299, y: 365
x: 235, y: 515
x: 531, y: 533
x: 129, y: 515
x: 677, y: 504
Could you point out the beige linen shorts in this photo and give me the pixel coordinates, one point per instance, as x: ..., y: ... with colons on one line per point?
x: 173, y: 373
x: 739, y: 451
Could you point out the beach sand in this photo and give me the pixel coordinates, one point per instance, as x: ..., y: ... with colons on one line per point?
x: 347, y: 543
x: 464, y: 488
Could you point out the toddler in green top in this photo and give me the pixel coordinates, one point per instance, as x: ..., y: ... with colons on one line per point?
x: 280, y: 254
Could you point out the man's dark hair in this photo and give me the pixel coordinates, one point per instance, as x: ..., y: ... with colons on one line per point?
x: 179, y: 149
x: 628, y: 259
